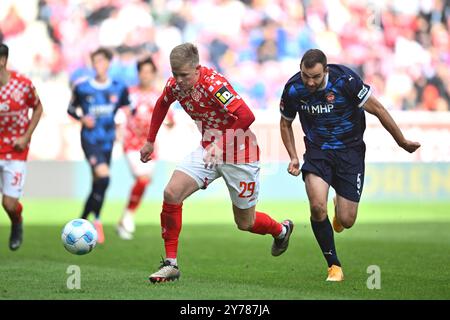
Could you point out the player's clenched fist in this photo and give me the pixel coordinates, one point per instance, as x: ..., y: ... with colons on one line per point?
x: 294, y: 167
x: 88, y: 122
x: 146, y: 152
x: 21, y: 143
x: 410, y: 146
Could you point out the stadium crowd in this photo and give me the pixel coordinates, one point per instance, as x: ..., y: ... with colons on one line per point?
x: 403, y: 51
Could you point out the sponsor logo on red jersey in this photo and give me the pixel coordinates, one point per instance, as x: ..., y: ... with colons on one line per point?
x: 224, y: 95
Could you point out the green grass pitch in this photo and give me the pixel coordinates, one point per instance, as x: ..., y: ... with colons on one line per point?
x: 408, y: 242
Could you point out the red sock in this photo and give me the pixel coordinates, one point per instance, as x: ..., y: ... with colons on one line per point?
x: 264, y: 224
x: 16, y: 217
x: 136, y: 193
x: 171, y: 227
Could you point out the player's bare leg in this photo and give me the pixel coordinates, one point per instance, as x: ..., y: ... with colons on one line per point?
x: 244, y: 218
x: 13, y: 207
x: 258, y: 222
x: 177, y: 190
x: 317, y: 191
x: 346, y: 211
x: 337, y: 226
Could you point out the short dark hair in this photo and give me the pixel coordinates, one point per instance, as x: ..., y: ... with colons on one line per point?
x: 312, y: 57
x: 4, y: 50
x: 147, y: 60
x: 103, y: 51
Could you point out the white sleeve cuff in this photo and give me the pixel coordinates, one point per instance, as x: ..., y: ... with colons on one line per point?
x: 365, y: 98
x: 287, y: 118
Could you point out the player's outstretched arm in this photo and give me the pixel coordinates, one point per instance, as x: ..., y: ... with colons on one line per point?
x: 21, y: 143
x: 287, y: 135
x: 159, y: 113
x: 374, y: 107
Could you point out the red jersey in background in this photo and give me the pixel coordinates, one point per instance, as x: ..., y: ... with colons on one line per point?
x: 16, y: 98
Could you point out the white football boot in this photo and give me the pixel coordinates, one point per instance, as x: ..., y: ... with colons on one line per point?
x: 166, y: 272
x: 126, y: 227
x: 123, y: 234
x: 127, y: 222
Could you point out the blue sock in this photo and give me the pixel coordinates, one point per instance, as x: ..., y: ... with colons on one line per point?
x: 323, y: 231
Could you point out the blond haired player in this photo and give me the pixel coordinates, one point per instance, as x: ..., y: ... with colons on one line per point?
x: 228, y: 149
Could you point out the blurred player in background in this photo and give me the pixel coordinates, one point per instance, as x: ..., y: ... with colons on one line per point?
x: 94, y: 103
x: 228, y: 149
x: 330, y: 100
x: 17, y: 96
x: 142, y: 99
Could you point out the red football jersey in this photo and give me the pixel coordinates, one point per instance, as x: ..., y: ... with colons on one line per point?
x: 16, y: 97
x: 138, y: 123
x: 210, y: 104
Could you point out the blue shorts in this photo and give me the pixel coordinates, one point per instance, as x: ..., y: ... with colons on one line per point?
x: 95, y: 154
x: 343, y: 169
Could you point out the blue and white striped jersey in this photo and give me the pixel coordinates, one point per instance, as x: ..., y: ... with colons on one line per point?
x: 101, y: 101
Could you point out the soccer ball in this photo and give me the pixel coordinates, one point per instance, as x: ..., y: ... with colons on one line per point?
x: 79, y: 236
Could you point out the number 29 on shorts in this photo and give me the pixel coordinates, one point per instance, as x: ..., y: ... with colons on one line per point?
x: 247, y: 189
